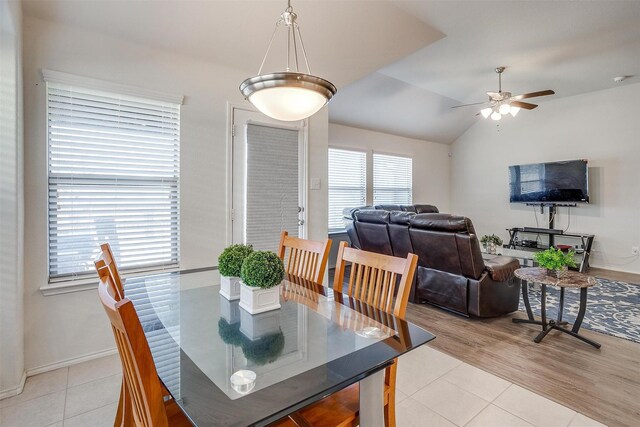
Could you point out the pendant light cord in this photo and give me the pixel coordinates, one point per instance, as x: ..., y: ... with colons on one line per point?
x: 291, y: 36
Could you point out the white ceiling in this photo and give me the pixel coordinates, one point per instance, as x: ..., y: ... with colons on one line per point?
x: 571, y: 47
x: 345, y: 40
x: 398, y: 65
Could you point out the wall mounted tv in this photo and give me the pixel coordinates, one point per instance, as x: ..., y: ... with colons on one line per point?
x: 556, y: 182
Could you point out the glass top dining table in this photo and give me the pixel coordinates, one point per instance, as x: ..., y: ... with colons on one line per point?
x: 224, y: 366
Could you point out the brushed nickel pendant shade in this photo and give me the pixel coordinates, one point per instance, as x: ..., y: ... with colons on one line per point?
x: 288, y: 95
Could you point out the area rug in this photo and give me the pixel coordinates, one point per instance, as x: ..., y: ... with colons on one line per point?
x: 613, y: 308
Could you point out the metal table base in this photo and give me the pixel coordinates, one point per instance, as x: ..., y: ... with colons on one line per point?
x: 548, y: 325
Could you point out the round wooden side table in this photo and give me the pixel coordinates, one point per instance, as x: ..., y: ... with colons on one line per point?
x: 569, y: 279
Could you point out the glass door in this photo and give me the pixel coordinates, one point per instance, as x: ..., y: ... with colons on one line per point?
x: 267, y: 180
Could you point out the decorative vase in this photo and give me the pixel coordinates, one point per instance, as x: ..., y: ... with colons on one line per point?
x: 491, y: 248
x: 230, y: 310
x: 558, y: 273
x: 258, y: 300
x: 230, y: 287
x: 259, y: 325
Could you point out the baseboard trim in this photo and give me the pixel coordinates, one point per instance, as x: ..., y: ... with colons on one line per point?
x: 16, y: 390
x: 71, y: 361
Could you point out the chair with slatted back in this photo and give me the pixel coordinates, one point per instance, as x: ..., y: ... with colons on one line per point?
x: 144, y: 403
x: 307, y: 259
x: 383, y: 282
x: 106, y: 259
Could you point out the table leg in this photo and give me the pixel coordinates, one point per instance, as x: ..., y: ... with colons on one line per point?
x: 525, y: 298
x: 372, y: 400
x: 561, y: 306
x: 581, y: 311
x: 543, y: 315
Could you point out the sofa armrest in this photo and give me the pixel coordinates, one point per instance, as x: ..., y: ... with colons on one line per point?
x: 501, y: 268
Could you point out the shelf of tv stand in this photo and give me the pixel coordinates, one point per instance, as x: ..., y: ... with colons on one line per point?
x: 583, y: 252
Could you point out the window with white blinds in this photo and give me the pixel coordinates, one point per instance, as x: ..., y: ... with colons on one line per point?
x: 113, y: 172
x: 347, y: 183
x: 392, y: 180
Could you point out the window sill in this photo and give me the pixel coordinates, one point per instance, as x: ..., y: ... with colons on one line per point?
x: 89, y: 283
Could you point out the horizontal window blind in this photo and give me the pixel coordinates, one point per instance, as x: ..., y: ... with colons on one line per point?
x: 157, y: 302
x: 113, y: 172
x: 347, y: 183
x: 392, y: 180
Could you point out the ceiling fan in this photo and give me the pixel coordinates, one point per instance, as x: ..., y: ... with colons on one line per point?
x: 502, y: 103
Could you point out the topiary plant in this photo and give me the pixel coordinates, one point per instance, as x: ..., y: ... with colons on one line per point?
x: 231, y: 259
x: 229, y: 333
x: 263, y: 350
x: 555, y: 259
x: 262, y: 269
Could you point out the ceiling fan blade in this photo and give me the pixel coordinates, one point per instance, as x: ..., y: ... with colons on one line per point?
x: 495, y: 95
x: 524, y: 105
x: 469, y: 105
x: 533, y: 94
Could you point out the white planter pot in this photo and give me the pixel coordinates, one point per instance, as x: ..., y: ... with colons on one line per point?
x: 230, y: 310
x: 230, y: 287
x: 256, y: 326
x: 258, y: 300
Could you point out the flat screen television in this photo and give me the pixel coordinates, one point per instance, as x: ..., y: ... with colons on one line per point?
x: 556, y: 182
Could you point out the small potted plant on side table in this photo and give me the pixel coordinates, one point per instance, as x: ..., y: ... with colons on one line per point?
x: 555, y: 261
x: 229, y: 264
x: 491, y: 243
x: 261, y: 274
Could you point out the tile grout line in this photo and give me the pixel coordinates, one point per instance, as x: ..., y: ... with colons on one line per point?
x: 575, y: 413
x: 66, y: 392
x: 91, y: 410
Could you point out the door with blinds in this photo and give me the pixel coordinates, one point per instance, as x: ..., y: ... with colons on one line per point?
x: 267, y: 180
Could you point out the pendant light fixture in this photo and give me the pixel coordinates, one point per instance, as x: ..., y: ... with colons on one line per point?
x: 288, y: 95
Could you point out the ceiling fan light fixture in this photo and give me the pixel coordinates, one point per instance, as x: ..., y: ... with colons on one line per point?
x: 504, y: 109
x: 486, y: 112
x: 496, y: 115
x: 288, y: 95
x: 513, y: 111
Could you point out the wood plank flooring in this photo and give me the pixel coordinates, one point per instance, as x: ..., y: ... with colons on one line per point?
x: 602, y: 384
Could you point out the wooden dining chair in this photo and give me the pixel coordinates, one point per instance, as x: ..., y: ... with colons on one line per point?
x: 106, y: 259
x: 382, y: 282
x: 307, y: 258
x: 144, y: 404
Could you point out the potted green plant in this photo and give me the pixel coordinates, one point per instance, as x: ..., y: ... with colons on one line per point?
x: 555, y: 261
x: 261, y: 274
x: 265, y: 349
x: 491, y: 243
x: 229, y: 265
x: 230, y: 332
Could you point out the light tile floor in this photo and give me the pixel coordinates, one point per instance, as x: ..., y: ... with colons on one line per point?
x: 433, y: 390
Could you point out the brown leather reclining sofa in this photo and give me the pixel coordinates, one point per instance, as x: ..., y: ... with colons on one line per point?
x: 451, y: 272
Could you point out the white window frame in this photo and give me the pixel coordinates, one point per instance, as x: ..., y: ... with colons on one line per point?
x: 366, y: 180
x: 72, y: 283
x: 383, y: 153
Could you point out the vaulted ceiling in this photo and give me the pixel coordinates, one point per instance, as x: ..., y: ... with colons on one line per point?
x: 399, y: 65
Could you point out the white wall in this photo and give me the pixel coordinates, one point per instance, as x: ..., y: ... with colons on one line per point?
x: 603, y: 127
x: 430, y: 159
x: 11, y: 201
x: 63, y: 327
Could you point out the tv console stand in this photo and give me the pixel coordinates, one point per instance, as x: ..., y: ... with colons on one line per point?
x: 583, y: 250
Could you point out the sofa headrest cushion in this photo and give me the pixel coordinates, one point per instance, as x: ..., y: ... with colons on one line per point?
x: 426, y: 209
x: 389, y: 207
x: 402, y: 218
x: 442, y: 222
x: 372, y: 216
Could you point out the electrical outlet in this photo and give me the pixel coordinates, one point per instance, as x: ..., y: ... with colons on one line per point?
x: 635, y: 250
